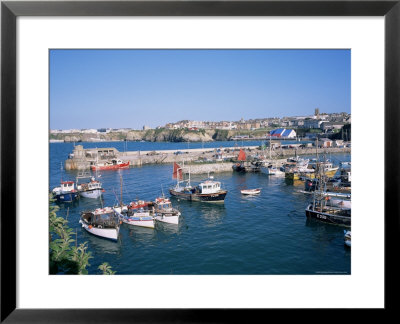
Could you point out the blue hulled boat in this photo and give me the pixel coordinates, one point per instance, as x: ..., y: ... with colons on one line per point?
x: 66, y: 192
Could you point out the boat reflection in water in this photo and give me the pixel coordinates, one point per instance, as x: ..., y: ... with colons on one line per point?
x: 213, y: 214
x: 102, y: 246
x: 168, y: 228
x: 140, y: 234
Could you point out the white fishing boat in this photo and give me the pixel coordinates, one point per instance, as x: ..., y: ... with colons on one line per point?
x: 135, y: 214
x: 164, y: 211
x: 101, y: 222
x: 140, y: 217
x: 272, y: 170
x: 250, y: 191
x: 297, y: 161
x: 92, y: 189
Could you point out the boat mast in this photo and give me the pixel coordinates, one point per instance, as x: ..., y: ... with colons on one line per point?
x: 270, y: 148
x: 61, y: 168
x: 120, y: 177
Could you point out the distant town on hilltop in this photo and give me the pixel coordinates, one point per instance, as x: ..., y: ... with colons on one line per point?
x: 323, y: 121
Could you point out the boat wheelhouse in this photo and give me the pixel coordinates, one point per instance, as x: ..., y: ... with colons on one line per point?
x: 164, y: 212
x: 91, y: 189
x: 66, y: 192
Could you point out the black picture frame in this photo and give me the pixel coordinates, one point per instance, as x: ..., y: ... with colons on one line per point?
x: 10, y: 10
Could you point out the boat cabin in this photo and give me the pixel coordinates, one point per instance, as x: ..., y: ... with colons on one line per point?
x: 116, y: 162
x: 67, y: 186
x: 105, y: 219
x: 209, y: 187
x: 163, y: 203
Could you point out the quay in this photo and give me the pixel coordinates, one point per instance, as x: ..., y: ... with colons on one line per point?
x: 215, y: 159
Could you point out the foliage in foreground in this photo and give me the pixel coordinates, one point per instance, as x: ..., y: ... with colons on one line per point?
x: 66, y: 258
x: 106, y: 269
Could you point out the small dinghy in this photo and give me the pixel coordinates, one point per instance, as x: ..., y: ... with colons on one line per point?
x: 250, y: 191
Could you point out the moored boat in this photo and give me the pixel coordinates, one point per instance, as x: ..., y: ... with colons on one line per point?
x: 242, y: 165
x: 91, y: 189
x: 207, y: 191
x: 272, y: 170
x: 136, y: 213
x: 135, y: 217
x: 164, y: 212
x: 250, y: 191
x: 329, y: 214
x: 299, y: 173
x: 66, y: 192
x: 101, y: 222
x: 113, y: 164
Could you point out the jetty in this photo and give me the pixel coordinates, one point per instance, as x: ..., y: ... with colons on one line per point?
x: 201, y: 160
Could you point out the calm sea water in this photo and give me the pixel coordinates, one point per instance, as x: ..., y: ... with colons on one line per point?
x: 264, y: 234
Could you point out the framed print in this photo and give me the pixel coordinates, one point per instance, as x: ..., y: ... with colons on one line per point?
x: 200, y: 152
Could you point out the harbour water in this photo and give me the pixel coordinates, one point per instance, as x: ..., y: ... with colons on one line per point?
x: 263, y: 234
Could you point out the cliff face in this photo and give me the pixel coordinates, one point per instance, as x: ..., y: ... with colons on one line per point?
x: 153, y: 135
x: 176, y: 135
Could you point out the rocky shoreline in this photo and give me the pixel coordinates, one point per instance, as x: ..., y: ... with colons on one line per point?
x: 157, y: 135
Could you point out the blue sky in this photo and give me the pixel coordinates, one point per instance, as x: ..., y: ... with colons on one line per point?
x: 132, y: 88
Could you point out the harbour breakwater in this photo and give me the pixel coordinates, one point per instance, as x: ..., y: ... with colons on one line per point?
x: 201, y: 160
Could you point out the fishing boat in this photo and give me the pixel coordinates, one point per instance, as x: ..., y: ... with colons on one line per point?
x: 326, y: 166
x: 66, y: 192
x: 137, y: 213
x: 299, y: 173
x: 272, y: 170
x: 343, y: 176
x: 328, y: 209
x: 347, y: 238
x: 164, y: 212
x: 136, y: 217
x: 250, y: 191
x: 91, y: 189
x: 208, y: 190
x: 113, y: 164
x: 334, y: 199
x: 239, y: 165
x: 297, y: 161
x: 101, y: 222
x: 320, y: 210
